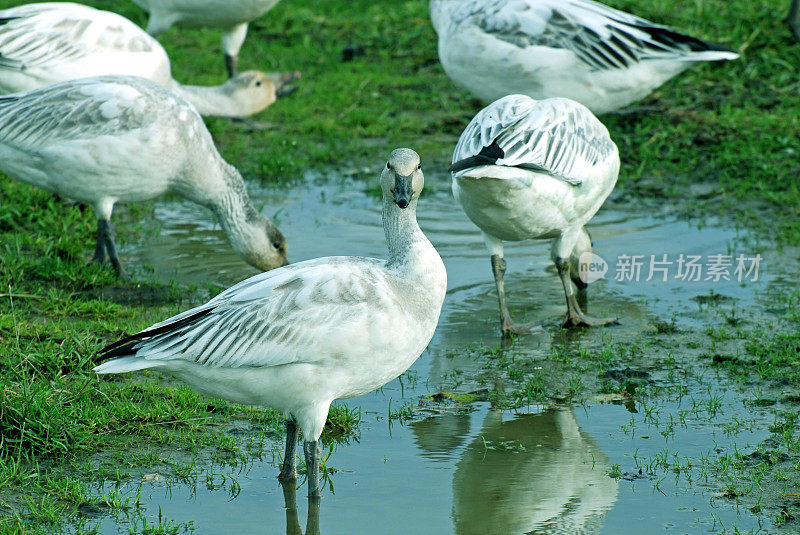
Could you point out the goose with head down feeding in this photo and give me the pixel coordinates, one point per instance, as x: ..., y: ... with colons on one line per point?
x: 42, y: 44
x: 527, y: 169
x: 232, y: 16
x: 301, y: 336
x: 124, y: 139
x: 578, y: 49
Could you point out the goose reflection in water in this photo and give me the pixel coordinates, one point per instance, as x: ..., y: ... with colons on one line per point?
x: 292, y: 517
x: 531, y: 473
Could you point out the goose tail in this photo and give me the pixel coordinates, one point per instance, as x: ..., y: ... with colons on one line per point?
x: 125, y: 364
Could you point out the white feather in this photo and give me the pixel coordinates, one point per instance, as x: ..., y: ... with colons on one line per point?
x: 578, y: 49
x: 577, y: 161
x: 124, y: 139
x: 298, y: 337
x: 42, y: 44
x: 229, y: 15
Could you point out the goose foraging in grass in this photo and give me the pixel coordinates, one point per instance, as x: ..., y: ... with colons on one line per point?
x: 231, y: 16
x: 578, y: 49
x: 124, y: 139
x: 42, y: 44
x: 301, y: 336
x: 526, y: 169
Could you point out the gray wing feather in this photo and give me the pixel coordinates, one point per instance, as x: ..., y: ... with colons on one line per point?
x: 26, y: 42
x: 81, y: 109
x: 558, y: 136
x: 600, y: 37
x: 44, y: 35
x: 272, y: 319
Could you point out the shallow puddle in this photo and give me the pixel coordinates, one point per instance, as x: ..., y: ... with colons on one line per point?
x: 539, y: 470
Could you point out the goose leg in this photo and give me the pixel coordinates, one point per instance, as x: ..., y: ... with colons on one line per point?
x: 507, y: 324
x: 105, y: 228
x: 581, y: 294
x: 100, y: 246
x: 313, y: 454
x: 793, y: 18
x: 231, y: 64
x: 312, y: 521
x: 290, y: 504
x: 232, y: 41
x: 289, y: 468
x: 575, y: 316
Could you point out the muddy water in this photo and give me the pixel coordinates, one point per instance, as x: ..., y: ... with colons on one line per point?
x: 538, y: 470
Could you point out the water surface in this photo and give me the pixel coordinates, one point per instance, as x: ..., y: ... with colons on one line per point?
x: 544, y: 469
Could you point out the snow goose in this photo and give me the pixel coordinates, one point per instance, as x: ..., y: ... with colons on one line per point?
x: 301, y: 336
x: 535, y: 169
x: 41, y: 44
x: 124, y: 139
x: 578, y: 49
x: 230, y: 15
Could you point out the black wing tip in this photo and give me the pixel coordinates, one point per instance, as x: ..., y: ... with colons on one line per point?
x: 669, y: 37
x: 487, y: 156
x: 127, y: 345
x: 120, y: 348
x: 468, y: 163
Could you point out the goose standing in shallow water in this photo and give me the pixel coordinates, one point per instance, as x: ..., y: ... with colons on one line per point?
x: 535, y: 169
x: 299, y: 337
x: 579, y: 49
x: 42, y: 44
x: 231, y: 16
x: 124, y: 139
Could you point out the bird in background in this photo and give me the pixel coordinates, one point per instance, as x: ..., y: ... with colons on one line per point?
x: 120, y: 139
x: 793, y: 18
x: 578, y: 49
x: 232, y: 16
x: 41, y: 44
x: 299, y: 337
x: 526, y: 169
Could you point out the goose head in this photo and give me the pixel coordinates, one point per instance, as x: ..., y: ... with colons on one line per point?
x: 402, y: 179
x: 253, y: 91
x: 261, y: 244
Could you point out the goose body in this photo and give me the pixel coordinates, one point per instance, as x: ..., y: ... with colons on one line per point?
x: 301, y: 336
x: 113, y: 139
x: 578, y: 49
x: 527, y: 169
x: 232, y: 16
x: 42, y: 44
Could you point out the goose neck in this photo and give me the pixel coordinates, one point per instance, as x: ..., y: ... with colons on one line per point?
x: 233, y: 207
x: 403, y: 235
x: 210, y: 101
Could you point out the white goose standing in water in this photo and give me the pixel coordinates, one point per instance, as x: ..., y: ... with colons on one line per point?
x: 579, y: 49
x: 232, y: 16
x: 42, y: 44
x: 527, y: 169
x: 124, y: 139
x: 301, y: 336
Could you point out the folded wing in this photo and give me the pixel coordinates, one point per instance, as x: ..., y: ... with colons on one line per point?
x: 556, y: 136
x: 272, y: 319
x: 600, y: 37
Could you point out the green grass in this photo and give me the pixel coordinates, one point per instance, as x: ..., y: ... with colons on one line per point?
x: 727, y: 134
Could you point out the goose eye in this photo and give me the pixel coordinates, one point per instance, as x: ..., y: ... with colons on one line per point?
x: 258, y: 83
x: 276, y: 245
x: 388, y: 165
